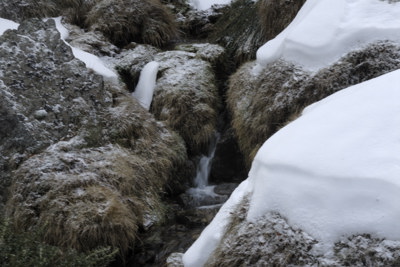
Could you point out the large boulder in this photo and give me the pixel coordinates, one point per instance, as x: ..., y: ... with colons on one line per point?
x: 86, y: 163
x: 262, y: 100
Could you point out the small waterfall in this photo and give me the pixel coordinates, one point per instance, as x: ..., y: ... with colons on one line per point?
x: 203, y: 194
x: 147, y: 82
x: 204, y: 167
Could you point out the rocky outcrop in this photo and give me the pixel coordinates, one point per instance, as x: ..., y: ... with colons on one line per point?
x: 262, y: 100
x: 86, y: 162
x: 248, y: 24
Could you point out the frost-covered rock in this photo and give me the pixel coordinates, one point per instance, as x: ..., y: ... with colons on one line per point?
x: 39, y: 72
x: 86, y: 162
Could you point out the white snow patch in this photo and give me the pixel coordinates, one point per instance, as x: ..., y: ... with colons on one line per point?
x: 324, y: 30
x: 6, y: 24
x: 91, y: 61
x: 206, y: 4
x: 334, y: 172
x: 147, y: 82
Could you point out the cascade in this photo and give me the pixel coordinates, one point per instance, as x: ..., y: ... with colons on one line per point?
x: 204, y: 167
x: 203, y: 194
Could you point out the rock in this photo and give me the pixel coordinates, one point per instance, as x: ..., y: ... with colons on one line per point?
x: 92, y: 42
x: 40, y: 114
x: 246, y: 25
x: 82, y: 156
x: 175, y: 260
x: 228, y: 163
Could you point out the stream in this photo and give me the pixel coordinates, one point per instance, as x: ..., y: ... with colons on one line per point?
x: 190, y: 213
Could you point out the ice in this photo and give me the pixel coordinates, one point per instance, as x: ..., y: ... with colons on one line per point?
x: 324, y: 30
x: 206, y: 4
x: 91, y: 61
x: 147, y: 82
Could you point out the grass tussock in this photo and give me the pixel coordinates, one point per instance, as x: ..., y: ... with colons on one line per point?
x: 19, y: 248
x: 261, y: 104
x: 188, y: 106
x: 125, y: 21
x: 99, y: 195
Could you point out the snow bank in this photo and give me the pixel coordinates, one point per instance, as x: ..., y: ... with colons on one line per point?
x: 6, y: 24
x: 333, y: 172
x: 324, y: 30
x: 91, y: 61
x: 147, y: 82
x: 206, y: 4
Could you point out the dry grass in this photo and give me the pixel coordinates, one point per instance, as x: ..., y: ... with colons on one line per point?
x: 261, y: 105
x: 89, y: 196
x: 125, y: 21
x: 188, y: 105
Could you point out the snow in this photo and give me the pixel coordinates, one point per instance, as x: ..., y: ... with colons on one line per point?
x: 147, y: 82
x: 91, y: 61
x: 6, y: 24
x: 324, y: 30
x: 206, y: 4
x: 333, y: 172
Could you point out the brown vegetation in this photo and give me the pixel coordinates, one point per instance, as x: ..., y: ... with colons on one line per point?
x: 98, y: 195
x: 261, y: 104
x: 125, y: 21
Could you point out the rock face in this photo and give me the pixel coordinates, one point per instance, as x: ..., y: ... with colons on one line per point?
x: 262, y: 101
x: 248, y: 24
x: 85, y: 160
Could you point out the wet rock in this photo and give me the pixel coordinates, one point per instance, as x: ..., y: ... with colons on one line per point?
x: 228, y: 162
x: 175, y: 260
